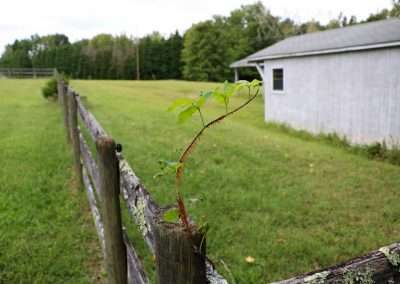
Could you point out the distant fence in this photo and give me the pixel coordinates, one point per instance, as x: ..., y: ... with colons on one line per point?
x: 180, y: 257
x: 27, y: 72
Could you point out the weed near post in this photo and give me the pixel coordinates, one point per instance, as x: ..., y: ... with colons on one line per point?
x: 186, y: 108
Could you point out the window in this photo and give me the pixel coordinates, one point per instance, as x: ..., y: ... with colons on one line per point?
x: 277, y: 79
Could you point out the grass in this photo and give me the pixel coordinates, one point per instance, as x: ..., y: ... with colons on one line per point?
x: 46, y: 231
x: 293, y: 204
x: 376, y: 151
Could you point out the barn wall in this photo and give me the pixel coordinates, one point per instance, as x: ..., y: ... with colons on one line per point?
x: 353, y: 94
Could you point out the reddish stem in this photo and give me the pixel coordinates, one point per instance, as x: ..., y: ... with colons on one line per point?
x: 181, y: 205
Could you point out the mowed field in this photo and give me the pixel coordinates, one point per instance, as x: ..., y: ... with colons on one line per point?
x: 291, y: 204
x: 46, y: 230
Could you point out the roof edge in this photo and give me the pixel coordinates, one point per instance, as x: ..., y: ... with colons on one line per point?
x: 327, y: 51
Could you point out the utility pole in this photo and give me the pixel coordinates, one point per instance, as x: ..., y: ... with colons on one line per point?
x: 137, y: 61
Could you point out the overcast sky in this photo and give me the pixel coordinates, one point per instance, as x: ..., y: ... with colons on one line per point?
x: 85, y: 18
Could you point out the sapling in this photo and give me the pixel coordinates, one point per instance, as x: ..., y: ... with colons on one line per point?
x: 185, y: 109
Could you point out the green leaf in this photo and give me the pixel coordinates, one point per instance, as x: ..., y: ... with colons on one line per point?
x: 200, y: 102
x: 204, y: 227
x: 171, y: 215
x: 180, y: 103
x: 174, y: 166
x: 186, y: 114
x: 219, y: 96
x: 226, y: 85
x: 204, y: 96
x: 229, y: 90
x: 255, y: 83
x: 167, y: 167
x: 241, y: 84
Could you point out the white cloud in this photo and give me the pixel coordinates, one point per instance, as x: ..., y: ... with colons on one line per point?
x: 85, y: 18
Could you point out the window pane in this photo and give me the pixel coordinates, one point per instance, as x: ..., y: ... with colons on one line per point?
x: 278, y: 85
x: 277, y: 80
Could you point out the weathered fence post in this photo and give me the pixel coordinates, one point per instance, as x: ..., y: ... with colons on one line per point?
x: 115, y: 251
x: 180, y: 256
x: 60, y: 90
x: 66, y: 112
x: 74, y: 134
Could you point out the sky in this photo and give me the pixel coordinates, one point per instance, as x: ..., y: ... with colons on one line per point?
x: 85, y: 18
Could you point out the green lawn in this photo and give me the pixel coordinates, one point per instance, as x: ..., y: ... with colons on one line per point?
x: 46, y: 231
x: 293, y: 205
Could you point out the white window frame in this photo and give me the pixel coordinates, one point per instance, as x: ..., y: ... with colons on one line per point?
x: 283, y: 79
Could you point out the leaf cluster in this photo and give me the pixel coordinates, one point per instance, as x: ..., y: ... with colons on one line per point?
x: 186, y: 107
x: 167, y: 167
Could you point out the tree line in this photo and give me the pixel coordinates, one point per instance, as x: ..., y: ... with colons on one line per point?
x: 203, y: 53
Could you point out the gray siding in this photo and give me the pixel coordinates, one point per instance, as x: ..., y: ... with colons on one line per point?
x: 356, y: 95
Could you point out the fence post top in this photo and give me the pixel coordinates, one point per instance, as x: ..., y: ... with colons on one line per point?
x: 105, y: 142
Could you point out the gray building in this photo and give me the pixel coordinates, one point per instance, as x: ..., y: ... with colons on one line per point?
x: 344, y: 81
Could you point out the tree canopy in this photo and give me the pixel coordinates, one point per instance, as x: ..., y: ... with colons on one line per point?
x: 203, y: 53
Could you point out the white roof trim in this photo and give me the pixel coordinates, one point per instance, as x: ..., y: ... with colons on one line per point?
x: 327, y: 51
x: 246, y: 64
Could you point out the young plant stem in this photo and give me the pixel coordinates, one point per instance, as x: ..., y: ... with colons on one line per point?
x: 188, y: 150
x: 183, y: 212
x: 201, y: 117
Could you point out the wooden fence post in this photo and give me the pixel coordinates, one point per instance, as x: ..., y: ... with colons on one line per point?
x: 60, y: 90
x: 115, y: 251
x: 180, y: 256
x: 74, y: 134
x: 66, y: 112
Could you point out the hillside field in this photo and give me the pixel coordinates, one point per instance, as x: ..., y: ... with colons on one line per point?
x: 294, y: 205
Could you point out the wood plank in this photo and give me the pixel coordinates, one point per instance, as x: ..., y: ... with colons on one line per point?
x: 94, y: 208
x: 141, y: 206
x: 375, y: 266
x: 27, y: 72
x: 60, y: 90
x: 74, y: 134
x: 90, y: 164
x: 66, y: 115
x: 94, y: 127
x: 136, y: 273
x: 143, y: 209
x: 213, y: 276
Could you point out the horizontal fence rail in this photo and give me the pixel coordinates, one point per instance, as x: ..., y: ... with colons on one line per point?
x: 27, y: 72
x: 178, y: 260
x: 381, y: 266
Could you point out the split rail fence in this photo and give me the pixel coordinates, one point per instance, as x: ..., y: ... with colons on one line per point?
x: 27, y: 72
x: 179, y: 258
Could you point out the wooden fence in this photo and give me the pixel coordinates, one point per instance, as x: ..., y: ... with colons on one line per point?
x: 27, y: 72
x: 180, y: 258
